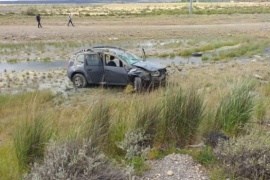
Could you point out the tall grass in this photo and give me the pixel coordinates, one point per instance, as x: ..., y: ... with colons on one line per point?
x: 148, y: 118
x: 8, y: 162
x: 236, y: 108
x: 181, y: 115
x: 30, y: 141
x: 97, y: 125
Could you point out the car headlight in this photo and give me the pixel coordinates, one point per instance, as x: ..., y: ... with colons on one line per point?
x: 156, y: 73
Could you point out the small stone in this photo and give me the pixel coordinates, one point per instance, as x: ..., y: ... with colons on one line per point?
x: 258, y: 76
x: 169, y: 173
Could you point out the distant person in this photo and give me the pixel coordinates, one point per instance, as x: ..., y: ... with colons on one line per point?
x: 70, y: 20
x: 38, y: 20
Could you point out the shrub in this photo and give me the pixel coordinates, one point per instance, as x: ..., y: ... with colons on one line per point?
x: 135, y: 143
x: 30, y: 141
x: 75, y: 160
x: 247, y: 156
x: 235, y: 109
x: 31, y: 11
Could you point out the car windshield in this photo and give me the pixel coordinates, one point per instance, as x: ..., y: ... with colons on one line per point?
x: 130, y: 58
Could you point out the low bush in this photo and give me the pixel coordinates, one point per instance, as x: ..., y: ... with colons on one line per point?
x: 75, y: 160
x: 135, y: 143
x: 31, y: 11
x: 247, y: 157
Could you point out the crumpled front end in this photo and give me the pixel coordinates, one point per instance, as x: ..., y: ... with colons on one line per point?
x: 149, y: 78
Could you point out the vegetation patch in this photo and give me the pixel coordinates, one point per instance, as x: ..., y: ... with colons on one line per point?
x: 246, y: 156
x: 75, y: 160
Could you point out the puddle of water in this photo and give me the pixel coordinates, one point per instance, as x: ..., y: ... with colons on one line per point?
x: 61, y: 64
x: 37, y: 66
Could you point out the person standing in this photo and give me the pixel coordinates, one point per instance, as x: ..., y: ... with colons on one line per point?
x: 38, y: 20
x: 70, y: 20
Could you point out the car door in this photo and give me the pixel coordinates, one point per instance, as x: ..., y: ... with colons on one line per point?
x: 94, y: 68
x: 115, y: 73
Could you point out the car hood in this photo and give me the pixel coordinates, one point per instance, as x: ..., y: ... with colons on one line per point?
x: 147, y: 65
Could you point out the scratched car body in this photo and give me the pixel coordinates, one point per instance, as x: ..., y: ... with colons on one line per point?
x: 108, y: 65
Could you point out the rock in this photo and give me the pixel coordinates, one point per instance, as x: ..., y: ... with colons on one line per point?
x: 258, y: 76
x: 170, y: 173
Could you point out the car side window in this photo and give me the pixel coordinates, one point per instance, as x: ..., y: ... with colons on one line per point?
x: 79, y: 59
x: 113, y: 61
x: 92, y: 60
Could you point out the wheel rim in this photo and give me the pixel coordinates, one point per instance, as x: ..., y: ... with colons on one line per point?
x: 78, y: 82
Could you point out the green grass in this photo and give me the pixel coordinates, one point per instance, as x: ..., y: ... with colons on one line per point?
x: 12, y: 61
x: 236, y: 108
x: 139, y: 165
x: 97, y: 125
x: 30, y: 141
x: 206, y: 156
x: 181, y: 114
x: 9, y: 168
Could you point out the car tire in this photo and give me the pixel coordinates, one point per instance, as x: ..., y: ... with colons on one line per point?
x: 138, y: 84
x: 79, y: 81
x: 163, y: 83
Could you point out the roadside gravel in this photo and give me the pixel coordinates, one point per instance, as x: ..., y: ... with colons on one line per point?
x: 175, y: 167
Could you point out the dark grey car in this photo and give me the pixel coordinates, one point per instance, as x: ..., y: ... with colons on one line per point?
x: 114, y: 66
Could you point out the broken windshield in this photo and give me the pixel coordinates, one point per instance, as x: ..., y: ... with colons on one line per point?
x: 130, y: 58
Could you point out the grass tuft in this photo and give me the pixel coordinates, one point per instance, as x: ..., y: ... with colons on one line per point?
x: 181, y: 115
x: 236, y: 108
x: 30, y: 141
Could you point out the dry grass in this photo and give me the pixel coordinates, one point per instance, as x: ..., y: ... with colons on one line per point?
x: 101, y: 9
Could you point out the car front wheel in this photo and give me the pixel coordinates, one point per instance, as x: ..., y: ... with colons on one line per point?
x: 79, y: 81
x: 137, y: 84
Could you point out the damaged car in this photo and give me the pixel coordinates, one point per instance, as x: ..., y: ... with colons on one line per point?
x: 106, y: 65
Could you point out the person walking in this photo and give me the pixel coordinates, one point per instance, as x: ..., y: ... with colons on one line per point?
x: 38, y: 20
x: 70, y: 20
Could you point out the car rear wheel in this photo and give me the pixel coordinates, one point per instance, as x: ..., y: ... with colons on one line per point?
x: 137, y: 84
x: 79, y: 81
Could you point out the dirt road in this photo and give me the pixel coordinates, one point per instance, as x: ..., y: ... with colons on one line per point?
x: 135, y: 28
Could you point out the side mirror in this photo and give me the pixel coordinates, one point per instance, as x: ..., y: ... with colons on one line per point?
x: 143, y: 56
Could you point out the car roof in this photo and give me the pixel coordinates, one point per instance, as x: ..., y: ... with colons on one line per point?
x: 109, y: 49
